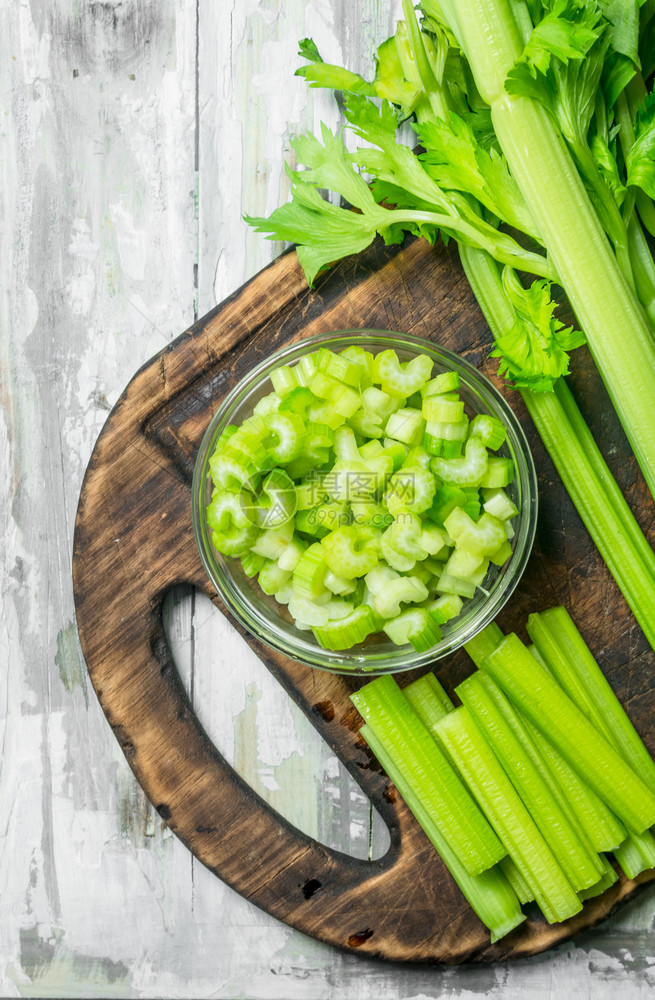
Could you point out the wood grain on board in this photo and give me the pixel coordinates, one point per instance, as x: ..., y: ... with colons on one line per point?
x: 134, y: 542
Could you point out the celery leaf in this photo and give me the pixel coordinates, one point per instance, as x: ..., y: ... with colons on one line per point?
x: 533, y: 351
x: 455, y: 159
x: 641, y: 158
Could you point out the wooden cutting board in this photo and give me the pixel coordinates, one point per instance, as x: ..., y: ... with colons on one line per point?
x: 134, y: 541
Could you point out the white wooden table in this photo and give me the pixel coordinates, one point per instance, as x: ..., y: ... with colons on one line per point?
x: 134, y: 135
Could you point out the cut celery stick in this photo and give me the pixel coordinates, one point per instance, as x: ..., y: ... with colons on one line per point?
x: 602, y: 827
x: 507, y: 814
x: 571, y: 662
x: 484, y: 643
x: 490, y: 894
x: 392, y: 719
x: 576, y: 861
x: 607, y: 879
x: 535, y: 692
x: 428, y: 699
x: 516, y: 880
x: 594, y: 819
x: 636, y: 853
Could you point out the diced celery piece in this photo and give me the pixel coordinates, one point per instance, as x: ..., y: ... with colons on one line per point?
x: 446, y: 608
x: 446, y: 382
x: 338, y: 584
x: 348, y: 551
x: 403, y: 379
x: 305, y: 368
x: 445, y: 500
x: 499, y: 473
x: 410, y: 489
x: 349, y: 631
x: 271, y: 578
x: 453, y: 585
x: 497, y: 502
x: 416, y: 626
x: 448, y: 409
x: 468, y: 470
x: 501, y: 555
x: 309, y: 574
x: 491, y: 431
x: 233, y: 533
x: 339, y: 367
x: 483, y: 537
x: 463, y: 564
x: 289, y: 558
x: 389, y: 590
x: 433, y: 540
x: 298, y: 401
x: 251, y: 563
x: 284, y: 379
x: 407, y: 426
x: 267, y: 404
x: 273, y: 542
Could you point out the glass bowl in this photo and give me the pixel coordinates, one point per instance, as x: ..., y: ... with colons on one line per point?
x: 269, y: 621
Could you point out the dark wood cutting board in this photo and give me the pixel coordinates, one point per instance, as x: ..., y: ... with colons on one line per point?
x: 134, y: 541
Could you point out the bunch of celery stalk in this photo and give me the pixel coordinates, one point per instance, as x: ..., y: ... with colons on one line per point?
x: 525, y: 787
x: 537, y: 155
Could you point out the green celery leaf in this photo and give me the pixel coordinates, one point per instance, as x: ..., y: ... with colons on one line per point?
x: 641, y: 158
x: 328, y: 166
x: 617, y: 74
x: 533, y: 351
x: 307, y: 50
x: 389, y: 82
x: 623, y: 19
x: 608, y: 168
x: 566, y: 32
x: 324, y: 233
x: 392, y: 161
x: 456, y: 161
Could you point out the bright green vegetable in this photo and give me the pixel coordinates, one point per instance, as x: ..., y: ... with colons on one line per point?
x: 509, y: 817
x: 532, y: 689
x: 448, y: 803
x: 489, y: 893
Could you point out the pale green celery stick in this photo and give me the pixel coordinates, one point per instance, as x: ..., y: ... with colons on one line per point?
x: 479, y: 647
x: 428, y: 699
x: 433, y: 779
x: 643, y: 266
x: 572, y: 664
x: 578, y: 460
x: 578, y: 864
x: 636, y: 853
x: 594, y: 824
x: 511, y: 820
x: 608, y: 878
x: 619, y: 335
x: 604, y: 830
x: 516, y: 880
x: 490, y: 894
x: 637, y: 539
x: 533, y: 690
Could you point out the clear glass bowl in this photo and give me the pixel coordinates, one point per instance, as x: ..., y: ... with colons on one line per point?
x: 269, y: 621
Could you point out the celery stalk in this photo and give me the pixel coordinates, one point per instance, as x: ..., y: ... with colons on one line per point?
x: 511, y: 820
x: 489, y: 893
x: 516, y: 880
x: 479, y: 647
x: 571, y: 662
x: 604, y: 831
x: 534, y: 691
x: 617, y: 330
x: 578, y: 460
x: 402, y: 734
x: 576, y: 861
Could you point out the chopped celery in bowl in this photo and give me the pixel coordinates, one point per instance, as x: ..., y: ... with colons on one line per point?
x: 364, y: 501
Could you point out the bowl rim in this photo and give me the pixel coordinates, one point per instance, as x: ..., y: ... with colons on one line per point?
x: 360, y: 662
